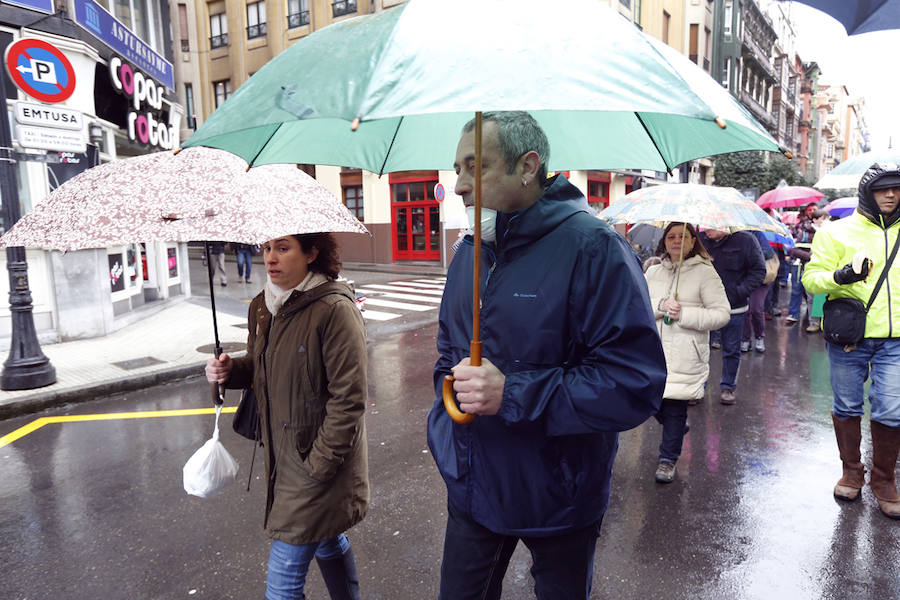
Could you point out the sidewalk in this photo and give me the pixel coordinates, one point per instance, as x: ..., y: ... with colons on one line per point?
x: 171, y: 344
x: 160, y: 348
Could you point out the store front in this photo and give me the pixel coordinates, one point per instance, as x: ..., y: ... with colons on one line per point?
x: 415, y: 216
x: 120, y: 104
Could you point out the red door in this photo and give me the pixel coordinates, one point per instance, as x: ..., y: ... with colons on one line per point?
x: 415, y: 218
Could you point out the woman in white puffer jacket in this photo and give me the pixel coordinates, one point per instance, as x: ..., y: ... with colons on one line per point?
x: 689, y: 301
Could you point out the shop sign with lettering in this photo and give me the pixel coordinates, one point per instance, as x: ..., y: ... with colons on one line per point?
x: 144, y: 123
x: 42, y: 115
x: 114, y: 34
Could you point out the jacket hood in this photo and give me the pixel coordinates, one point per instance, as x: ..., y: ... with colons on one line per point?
x: 560, y: 201
x: 867, y: 205
x: 300, y: 300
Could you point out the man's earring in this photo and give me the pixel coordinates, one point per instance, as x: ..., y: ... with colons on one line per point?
x: 524, y: 182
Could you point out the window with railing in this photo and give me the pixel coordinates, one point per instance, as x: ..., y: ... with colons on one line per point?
x: 343, y: 7
x: 184, y: 28
x: 298, y: 13
x: 256, y: 20
x: 221, y: 91
x: 218, y: 30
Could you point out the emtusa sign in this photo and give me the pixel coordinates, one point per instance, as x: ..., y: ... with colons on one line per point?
x: 144, y: 124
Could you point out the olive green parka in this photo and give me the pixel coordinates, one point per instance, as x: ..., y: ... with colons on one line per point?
x: 307, y: 366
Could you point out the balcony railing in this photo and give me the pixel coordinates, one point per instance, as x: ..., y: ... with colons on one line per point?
x: 343, y: 7
x: 256, y: 31
x: 218, y: 41
x: 298, y: 19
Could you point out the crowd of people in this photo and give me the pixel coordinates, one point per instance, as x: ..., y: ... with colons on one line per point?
x: 579, y: 344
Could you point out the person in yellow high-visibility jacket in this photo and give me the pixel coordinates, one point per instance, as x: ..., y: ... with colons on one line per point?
x: 868, y: 235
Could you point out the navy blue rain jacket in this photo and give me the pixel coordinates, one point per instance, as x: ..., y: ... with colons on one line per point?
x: 566, y: 317
x: 739, y: 262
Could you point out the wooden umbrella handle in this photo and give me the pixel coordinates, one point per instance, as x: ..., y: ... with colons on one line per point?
x: 475, y: 345
x: 457, y: 415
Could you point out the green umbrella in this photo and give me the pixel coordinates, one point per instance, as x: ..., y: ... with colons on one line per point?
x: 846, y: 175
x: 607, y: 95
x: 390, y: 92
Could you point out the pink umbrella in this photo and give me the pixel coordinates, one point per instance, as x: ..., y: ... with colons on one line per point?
x: 790, y: 218
x: 789, y: 195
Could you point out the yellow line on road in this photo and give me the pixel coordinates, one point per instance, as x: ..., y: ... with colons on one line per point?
x: 38, y: 423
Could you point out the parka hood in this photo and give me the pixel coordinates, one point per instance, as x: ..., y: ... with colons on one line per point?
x: 300, y: 300
x: 559, y: 201
x: 867, y: 205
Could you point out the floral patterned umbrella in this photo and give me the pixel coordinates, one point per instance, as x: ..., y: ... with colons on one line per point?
x: 705, y: 206
x: 198, y: 194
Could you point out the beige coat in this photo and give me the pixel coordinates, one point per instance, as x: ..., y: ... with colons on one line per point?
x: 307, y: 366
x: 704, y: 307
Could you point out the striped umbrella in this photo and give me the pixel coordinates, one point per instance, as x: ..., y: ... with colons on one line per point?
x: 842, y: 207
x: 705, y: 206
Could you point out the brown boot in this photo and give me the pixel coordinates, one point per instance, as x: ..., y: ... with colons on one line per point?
x: 848, y: 438
x: 885, y: 447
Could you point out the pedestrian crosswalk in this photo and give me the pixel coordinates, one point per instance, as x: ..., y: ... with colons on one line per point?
x: 387, y: 301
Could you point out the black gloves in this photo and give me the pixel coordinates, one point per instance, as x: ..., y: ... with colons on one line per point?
x: 846, y: 275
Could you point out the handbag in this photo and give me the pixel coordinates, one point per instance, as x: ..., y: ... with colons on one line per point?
x: 246, y: 417
x: 772, y: 266
x: 844, y: 319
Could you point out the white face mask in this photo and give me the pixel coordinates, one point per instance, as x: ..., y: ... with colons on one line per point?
x: 488, y: 222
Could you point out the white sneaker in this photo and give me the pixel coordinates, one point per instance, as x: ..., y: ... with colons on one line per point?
x: 760, y: 345
x: 745, y: 346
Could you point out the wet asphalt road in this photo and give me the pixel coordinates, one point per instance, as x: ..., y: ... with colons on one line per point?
x: 97, y: 509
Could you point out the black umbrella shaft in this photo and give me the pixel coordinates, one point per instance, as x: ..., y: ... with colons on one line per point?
x: 212, y: 297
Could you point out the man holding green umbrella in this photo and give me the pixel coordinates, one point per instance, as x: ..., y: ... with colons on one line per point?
x: 571, y: 357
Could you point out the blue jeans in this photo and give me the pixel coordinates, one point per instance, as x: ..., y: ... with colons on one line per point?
x: 731, y: 350
x: 244, y: 261
x: 289, y: 564
x: 878, y: 358
x: 672, y: 416
x: 797, y: 293
x: 475, y: 561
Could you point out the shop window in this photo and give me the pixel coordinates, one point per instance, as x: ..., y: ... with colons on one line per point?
x: 415, y: 216
x: 218, y: 30
x: 343, y: 7
x: 256, y: 20
x: 221, y: 91
x: 298, y: 13
x: 598, y: 191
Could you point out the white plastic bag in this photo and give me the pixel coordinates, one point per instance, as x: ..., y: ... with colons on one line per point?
x: 211, y: 468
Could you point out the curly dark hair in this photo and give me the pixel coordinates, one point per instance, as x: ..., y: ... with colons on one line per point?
x: 328, y: 262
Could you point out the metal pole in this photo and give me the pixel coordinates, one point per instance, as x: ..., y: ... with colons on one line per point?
x: 27, y: 367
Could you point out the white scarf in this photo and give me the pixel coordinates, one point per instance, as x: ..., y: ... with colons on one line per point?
x: 276, y: 296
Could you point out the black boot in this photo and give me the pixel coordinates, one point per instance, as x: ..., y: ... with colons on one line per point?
x: 340, y: 576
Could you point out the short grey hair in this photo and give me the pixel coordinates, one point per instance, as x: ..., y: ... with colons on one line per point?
x: 518, y: 134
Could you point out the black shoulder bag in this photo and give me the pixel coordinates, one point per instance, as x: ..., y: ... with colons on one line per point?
x: 246, y: 417
x: 844, y: 319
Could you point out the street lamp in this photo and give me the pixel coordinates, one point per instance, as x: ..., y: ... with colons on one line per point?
x: 27, y: 367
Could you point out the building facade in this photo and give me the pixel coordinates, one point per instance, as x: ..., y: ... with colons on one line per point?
x: 115, y: 61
